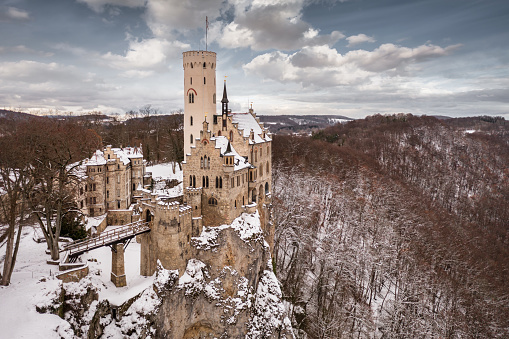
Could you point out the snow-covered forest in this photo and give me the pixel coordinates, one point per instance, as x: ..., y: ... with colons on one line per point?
x: 386, y: 227
x: 395, y: 227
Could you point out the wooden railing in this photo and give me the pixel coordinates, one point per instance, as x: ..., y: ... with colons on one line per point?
x: 107, y: 238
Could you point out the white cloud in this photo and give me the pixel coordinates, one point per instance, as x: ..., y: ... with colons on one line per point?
x: 99, y: 5
x: 323, y: 66
x: 358, y: 39
x: 263, y: 25
x: 13, y: 13
x: 163, y: 17
x: 393, y: 57
x: 145, y: 56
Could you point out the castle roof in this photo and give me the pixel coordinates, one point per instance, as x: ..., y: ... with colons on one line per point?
x: 226, y: 148
x: 225, y: 96
x: 247, y: 122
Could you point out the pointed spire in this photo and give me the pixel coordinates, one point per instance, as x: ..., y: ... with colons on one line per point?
x: 228, y: 148
x: 225, y: 96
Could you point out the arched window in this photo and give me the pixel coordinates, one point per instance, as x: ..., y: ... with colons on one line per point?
x: 201, y: 162
x: 191, y: 98
x: 190, y: 181
x: 191, y: 80
x: 220, y: 182
x: 261, y: 150
x: 217, y: 182
x: 218, y: 133
x: 191, y: 120
x: 194, y: 181
x: 213, y: 201
x: 204, y: 80
x: 214, y: 98
x: 203, y: 181
x: 256, y: 155
x: 191, y: 65
x: 266, y: 188
x: 235, y: 203
x: 231, y: 136
x: 212, y: 65
x: 191, y: 138
x: 261, y: 170
x: 207, y: 182
x: 208, y: 162
x: 204, y: 65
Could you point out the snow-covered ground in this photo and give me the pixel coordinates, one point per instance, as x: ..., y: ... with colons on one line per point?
x: 33, y: 279
x: 163, y: 172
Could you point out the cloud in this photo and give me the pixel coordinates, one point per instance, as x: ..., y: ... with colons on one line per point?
x: 358, y: 39
x: 22, y: 49
x: 323, y: 66
x: 163, y: 17
x: 263, y: 25
x: 144, y: 57
x: 13, y: 13
x: 393, y: 57
x: 98, y: 6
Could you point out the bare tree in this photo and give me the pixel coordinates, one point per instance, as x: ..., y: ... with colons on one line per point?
x: 58, y: 149
x: 14, y: 180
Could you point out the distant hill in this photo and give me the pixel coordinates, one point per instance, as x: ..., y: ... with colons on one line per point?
x: 299, y: 124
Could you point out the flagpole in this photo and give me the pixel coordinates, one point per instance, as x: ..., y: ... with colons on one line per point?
x: 206, y: 32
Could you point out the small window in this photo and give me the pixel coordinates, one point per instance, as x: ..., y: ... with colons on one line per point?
x: 204, y: 80
x: 214, y: 101
x: 191, y: 98
x: 191, y: 121
x: 213, y: 201
x: 191, y: 80
x: 191, y: 137
x: 204, y: 65
x: 191, y: 65
x: 212, y: 66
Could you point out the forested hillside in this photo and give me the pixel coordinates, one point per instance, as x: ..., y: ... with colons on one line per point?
x: 395, y: 227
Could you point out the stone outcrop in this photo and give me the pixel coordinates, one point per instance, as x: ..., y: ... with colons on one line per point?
x: 227, y: 291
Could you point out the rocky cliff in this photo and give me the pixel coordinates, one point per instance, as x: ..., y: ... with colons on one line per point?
x: 228, y: 290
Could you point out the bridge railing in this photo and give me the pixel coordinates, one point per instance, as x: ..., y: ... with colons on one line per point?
x: 108, y: 237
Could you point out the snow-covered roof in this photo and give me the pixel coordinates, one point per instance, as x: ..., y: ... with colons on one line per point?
x: 124, y: 154
x: 133, y: 152
x: 222, y: 143
x: 247, y: 122
x: 96, y: 159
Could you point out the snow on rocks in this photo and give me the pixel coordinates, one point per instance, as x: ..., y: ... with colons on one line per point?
x: 193, y: 279
x: 269, y: 313
x: 247, y: 226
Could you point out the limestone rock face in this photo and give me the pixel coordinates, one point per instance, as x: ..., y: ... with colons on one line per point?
x: 227, y: 290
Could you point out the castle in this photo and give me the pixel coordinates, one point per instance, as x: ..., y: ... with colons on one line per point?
x: 227, y: 171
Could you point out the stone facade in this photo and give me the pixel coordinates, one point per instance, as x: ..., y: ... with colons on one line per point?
x: 111, y: 177
x: 227, y: 171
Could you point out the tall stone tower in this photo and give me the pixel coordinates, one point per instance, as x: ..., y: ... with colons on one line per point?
x: 199, y: 93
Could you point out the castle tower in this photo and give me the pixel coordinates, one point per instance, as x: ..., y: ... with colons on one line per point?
x: 199, y: 93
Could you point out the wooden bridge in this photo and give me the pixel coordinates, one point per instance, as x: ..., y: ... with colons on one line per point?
x: 121, y: 234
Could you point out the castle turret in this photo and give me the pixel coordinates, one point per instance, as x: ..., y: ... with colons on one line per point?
x: 224, y: 108
x: 199, y: 93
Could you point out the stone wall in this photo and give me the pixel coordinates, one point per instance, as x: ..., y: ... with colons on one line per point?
x: 73, y: 275
x: 169, y: 238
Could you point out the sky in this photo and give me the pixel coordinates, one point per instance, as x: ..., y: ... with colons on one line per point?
x: 345, y: 57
